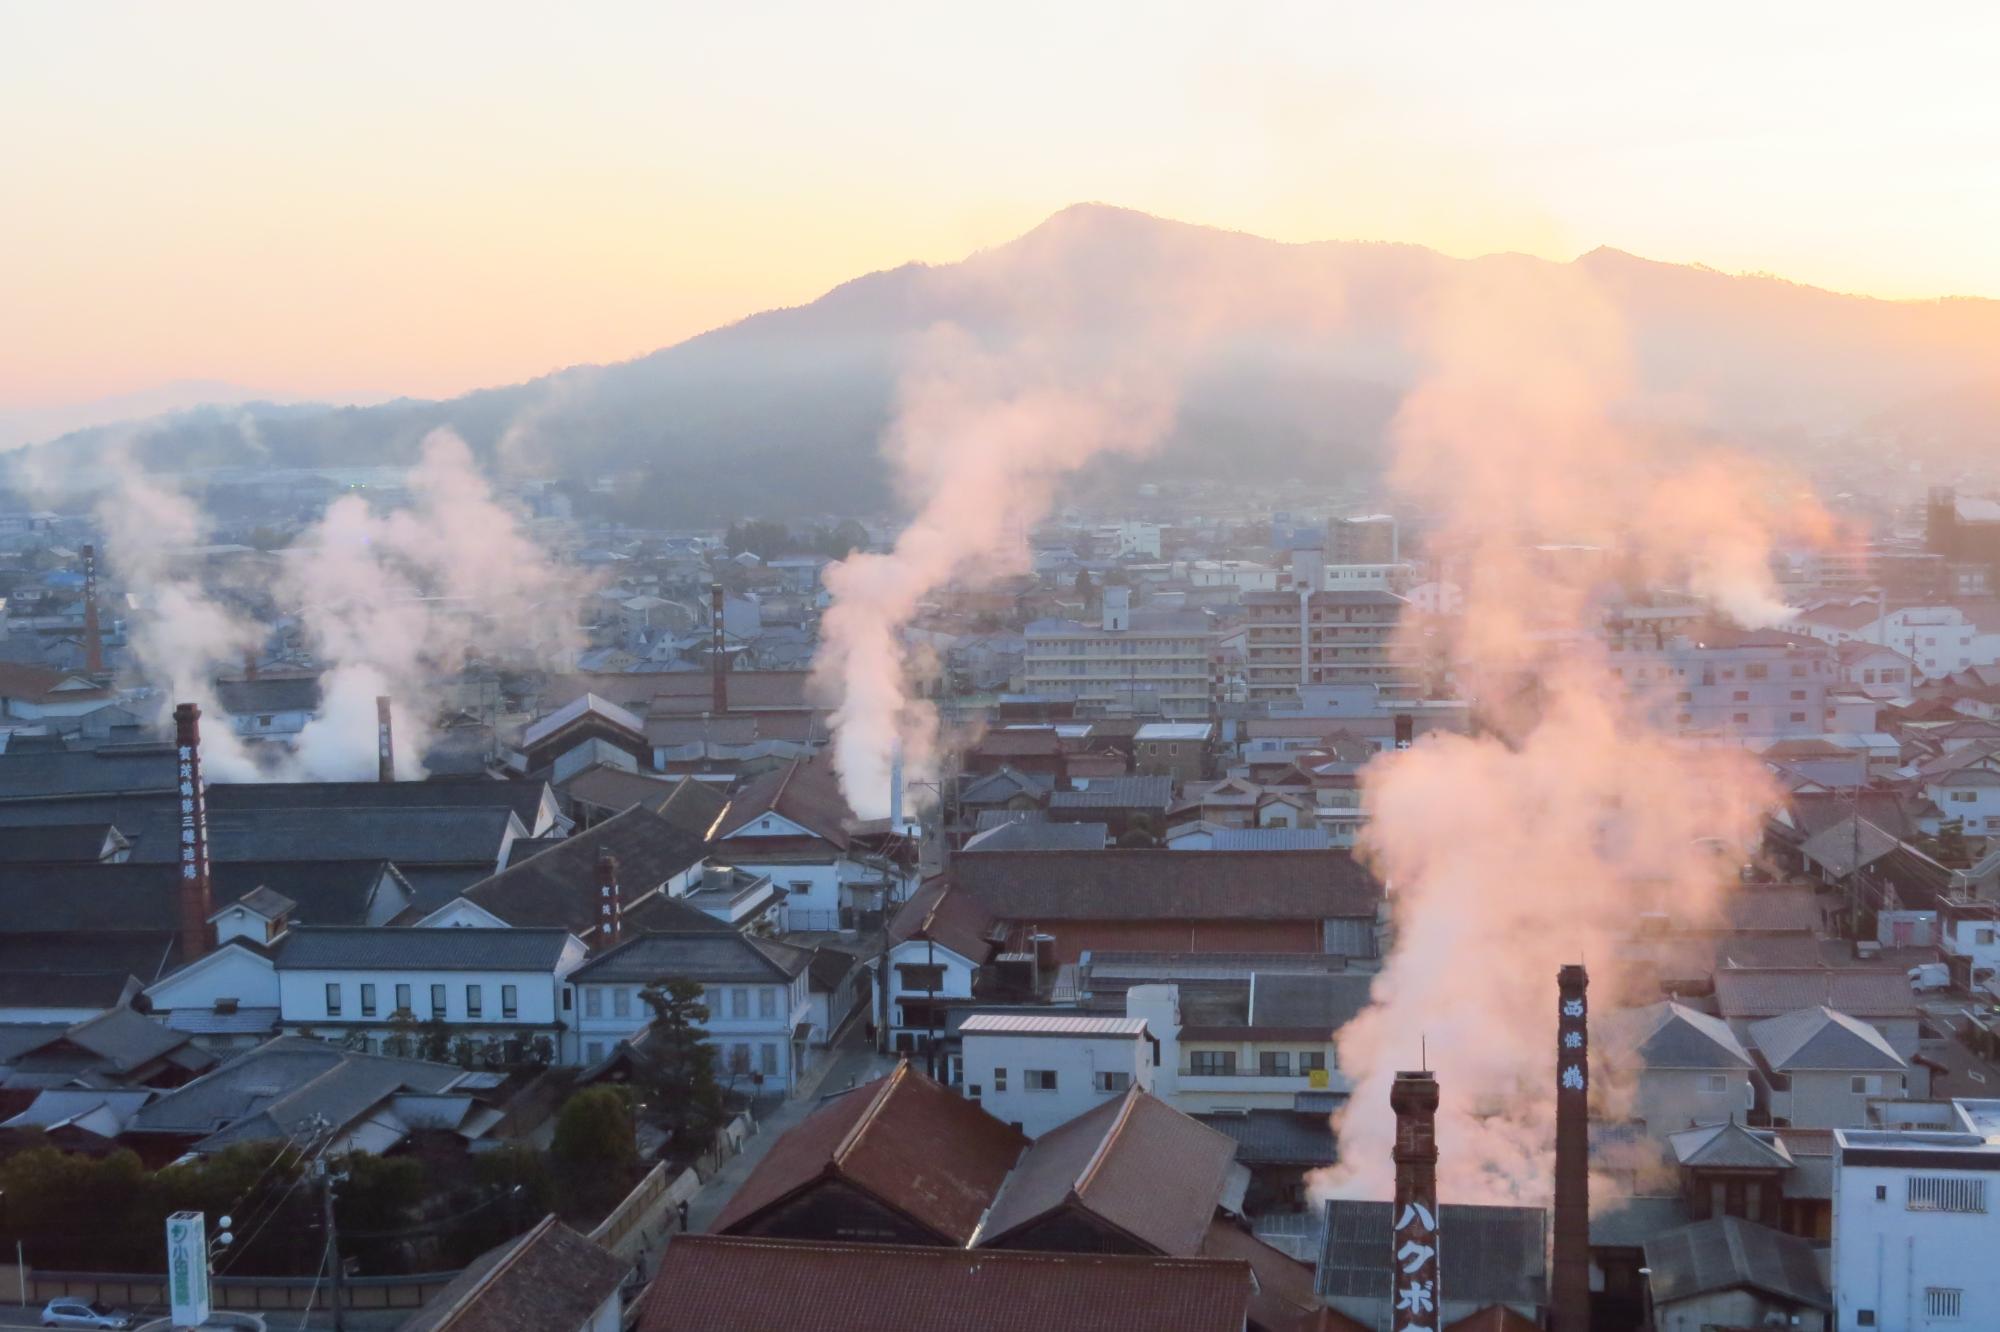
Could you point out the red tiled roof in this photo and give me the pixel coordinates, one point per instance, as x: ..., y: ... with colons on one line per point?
x: 904, y: 1140
x: 1284, y: 1301
x: 550, y: 1277
x: 805, y: 791
x: 37, y: 685
x: 949, y: 917
x: 1136, y: 1163
x: 709, y: 1283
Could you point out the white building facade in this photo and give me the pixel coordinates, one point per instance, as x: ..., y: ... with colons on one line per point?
x: 1915, y: 1227
x: 1036, y: 1071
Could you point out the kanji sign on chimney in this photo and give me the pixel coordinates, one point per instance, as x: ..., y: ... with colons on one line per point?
x: 1414, y: 1288
x: 195, y: 900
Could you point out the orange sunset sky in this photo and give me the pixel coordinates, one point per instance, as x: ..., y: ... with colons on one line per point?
x: 370, y: 199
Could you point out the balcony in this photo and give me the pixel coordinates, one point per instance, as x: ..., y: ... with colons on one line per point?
x: 1252, y: 1082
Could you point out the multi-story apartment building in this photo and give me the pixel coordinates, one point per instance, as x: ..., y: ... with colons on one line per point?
x: 1718, y: 680
x: 1306, y: 637
x: 1142, y: 661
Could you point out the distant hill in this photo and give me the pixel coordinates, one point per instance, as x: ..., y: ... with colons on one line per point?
x: 782, y: 412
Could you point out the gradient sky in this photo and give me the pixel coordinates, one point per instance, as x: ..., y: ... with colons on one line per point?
x: 367, y: 199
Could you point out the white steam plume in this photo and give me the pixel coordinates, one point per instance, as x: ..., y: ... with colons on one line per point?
x: 1536, y: 841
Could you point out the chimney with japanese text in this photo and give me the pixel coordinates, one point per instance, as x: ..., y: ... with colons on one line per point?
x: 195, y: 900
x: 1415, y: 1296
x: 717, y: 666
x: 385, y: 742
x: 1570, y: 1279
x: 93, y: 635
x: 610, y: 904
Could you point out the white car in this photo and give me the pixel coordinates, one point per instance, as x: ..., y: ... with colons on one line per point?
x: 66, y: 1312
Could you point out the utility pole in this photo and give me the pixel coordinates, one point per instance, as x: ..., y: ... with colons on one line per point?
x: 326, y: 1179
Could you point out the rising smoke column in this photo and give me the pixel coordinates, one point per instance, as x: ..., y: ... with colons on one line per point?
x: 1535, y: 842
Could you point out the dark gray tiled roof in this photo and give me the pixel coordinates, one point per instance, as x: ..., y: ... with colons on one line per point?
x: 1023, y: 835
x: 105, y: 771
x: 523, y: 798
x: 1323, y: 1003
x: 550, y: 1277
x: 1118, y: 793
x: 51, y: 899
x: 75, y: 842
x: 447, y: 949
x: 275, y: 1090
x: 1819, y: 1038
x: 711, y: 956
x: 1486, y: 1255
x: 1727, y: 1253
x: 1169, y: 885
x: 559, y: 886
x: 1277, y: 1137
x: 1671, y: 1035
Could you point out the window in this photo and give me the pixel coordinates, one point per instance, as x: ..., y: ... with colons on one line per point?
x: 917, y: 976
x: 767, y: 1059
x: 333, y: 998
x: 569, y: 997
x: 593, y: 1001
x: 1964, y: 797
x: 403, y: 999
x: 593, y: 1051
x: 621, y: 1002
x: 739, y: 1002
x: 475, y: 1001
x: 1740, y: 718
x: 367, y: 1000
x: 1039, y: 1079
x: 510, y: 1001
x: 1311, y: 1059
x: 1943, y: 1301
x: 1798, y: 671
x: 767, y: 1006
x: 1938, y: 1193
x: 437, y: 1001
x: 1864, y: 1318
x: 1111, y: 1082
x: 739, y: 1058
x: 1275, y: 1063
x: 1756, y: 670
x: 1798, y: 716
x: 1715, y: 1084
x: 999, y: 1079
x: 1865, y: 1084
x: 1798, y: 696
x: 1212, y: 1063
x: 1740, y: 696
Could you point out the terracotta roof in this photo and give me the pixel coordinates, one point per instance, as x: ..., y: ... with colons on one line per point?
x: 803, y: 791
x: 947, y: 916
x: 1284, y: 1300
x: 1856, y: 991
x: 1036, y: 743
x: 1135, y: 1163
x: 33, y: 684
x: 550, y: 1277
x: 1162, y: 884
x: 904, y: 1140
x: 708, y: 1283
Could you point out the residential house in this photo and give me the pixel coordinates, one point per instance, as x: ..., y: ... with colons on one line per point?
x: 549, y: 1278
x: 1728, y: 1272
x: 269, y: 707
x: 116, y: 1048
x: 1727, y: 1169
x: 1878, y: 996
x: 1121, y: 803
x: 756, y: 991
x: 1036, y: 1071
x: 1818, y: 1068
x: 1682, y: 1068
x: 501, y: 988
x: 1177, y: 750
x: 1160, y: 900
x: 794, y: 826
x: 1259, y: 1044
x: 1034, y: 750
x: 1877, y: 671
x: 939, y: 942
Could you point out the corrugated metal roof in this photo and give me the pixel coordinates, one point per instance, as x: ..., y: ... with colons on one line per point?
x: 1030, y: 1024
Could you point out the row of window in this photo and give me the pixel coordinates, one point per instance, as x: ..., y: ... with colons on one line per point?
x: 733, y: 1002
x: 1270, y: 1063
x: 475, y: 1000
x: 1044, y: 1080
x: 740, y: 1058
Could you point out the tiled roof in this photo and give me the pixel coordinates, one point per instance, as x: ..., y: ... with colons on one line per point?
x: 1161, y: 884
x: 77, y: 842
x: 123, y: 1039
x: 710, y: 956
x: 1730, y: 1146
x: 1855, y: 991
x: 559, y: 886
x: 1318, y: 1003
x: 1671, y: 1035
x: 1277, y: 1137
x: 1284, y: 1301
x: 904, y: 1140
x: 1136, y: 1163
x: 1118, y: 793
x: 276, y: 1089
x: 805, y: 791
x: 1819, y: 1038
x: 1004, y: 784
x: 1024, y: 835
x: 1727, y: 1254
x: 461, y: 949
x: 948, y: 916
x: 551, y: 1277
x: 708, y: 1283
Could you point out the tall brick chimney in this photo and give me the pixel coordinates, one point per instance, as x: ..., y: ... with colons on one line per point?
x: 611, y: 902
x: 718, y: 668
x: 1415, y: 1291
x: 385, y: 742
x: 196, y: 901
x: 1570, y: 1285
x: 93, y: 636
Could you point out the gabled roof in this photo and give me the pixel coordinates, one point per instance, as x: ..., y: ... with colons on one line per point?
x: 549, y: 1277
x: 1729, y: 1146
x: 711, y: 956
x: 1671, y: 1035
x: 1834, y: 847
x: 1819, y: 1038
x: 1728, y: 1253
x: 1149, y: 793
x: 575, y: 711
x: 1003, y: 784
x: 949, y: 917
x: 559, y: 886
x: 1863, y: 992
x: 34, y: 685
x: 81, y: 843
x: 1135, y: 1163
x: 804, y: 791
x: 123, y: 1039
x: 1024, y: 835
x: 709, y: 1283
x: 1164, y: 884
x: 911, y: 1144
x: 310, y: 948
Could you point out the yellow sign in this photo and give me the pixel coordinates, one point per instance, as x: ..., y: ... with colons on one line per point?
x: 1317, y: 1078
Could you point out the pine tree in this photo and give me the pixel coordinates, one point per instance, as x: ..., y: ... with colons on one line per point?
x: 683, y: 1063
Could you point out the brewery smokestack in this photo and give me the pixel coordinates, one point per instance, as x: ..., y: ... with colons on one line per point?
x: 249, y: 663
x: 1570, y: 1288
x: 896, y: 788
x: 195, y: 900
x: 1414, y: 1287
x: 611, y: 902
x: 93, y: 636
x: 718, y: 671
x: 385, y: 742
x: 1406, y: 730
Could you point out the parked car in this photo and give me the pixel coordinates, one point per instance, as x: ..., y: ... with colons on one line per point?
x: 1927, y: 976
x: 64, y: 1311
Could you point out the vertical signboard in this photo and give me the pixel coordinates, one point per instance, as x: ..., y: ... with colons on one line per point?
x: 187, y: 1268
x: 1415, y: 1297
